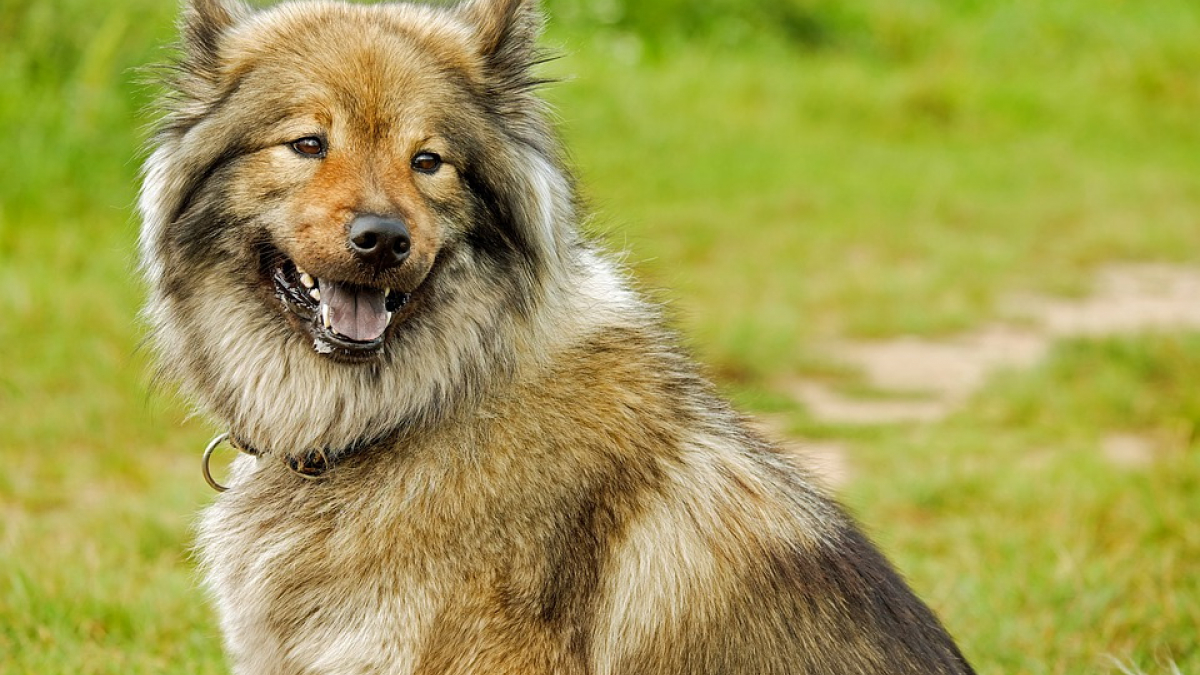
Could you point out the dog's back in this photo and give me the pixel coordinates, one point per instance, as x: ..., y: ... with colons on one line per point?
x: 362, y: 247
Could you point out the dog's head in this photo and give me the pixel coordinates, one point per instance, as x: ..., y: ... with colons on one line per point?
x: 349, y: 209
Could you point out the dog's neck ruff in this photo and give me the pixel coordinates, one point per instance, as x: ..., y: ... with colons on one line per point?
x: 310, y: 466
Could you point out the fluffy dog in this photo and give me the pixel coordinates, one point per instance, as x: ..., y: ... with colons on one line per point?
x: 470, y: 446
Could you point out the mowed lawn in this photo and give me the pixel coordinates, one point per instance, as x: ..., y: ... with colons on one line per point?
x: 782, y: 175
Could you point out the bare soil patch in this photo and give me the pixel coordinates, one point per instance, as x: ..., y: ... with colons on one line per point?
x: 1128, y: 450
x: 931, y: 378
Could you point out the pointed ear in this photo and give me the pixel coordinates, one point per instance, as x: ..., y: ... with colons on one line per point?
x: 506, y: 33
x: 201, y: 25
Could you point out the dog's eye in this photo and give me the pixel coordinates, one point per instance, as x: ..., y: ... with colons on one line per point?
x: 426, y: 162
x: 310, y: 146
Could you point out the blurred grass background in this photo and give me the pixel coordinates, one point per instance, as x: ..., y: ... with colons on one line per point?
x: 790, y: 171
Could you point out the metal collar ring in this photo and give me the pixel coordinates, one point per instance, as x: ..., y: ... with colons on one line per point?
x: 208, y: 451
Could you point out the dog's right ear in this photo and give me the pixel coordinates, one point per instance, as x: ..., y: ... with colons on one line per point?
x: 201, y: 25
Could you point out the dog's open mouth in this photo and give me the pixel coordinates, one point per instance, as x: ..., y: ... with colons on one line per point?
x: 344, y: 318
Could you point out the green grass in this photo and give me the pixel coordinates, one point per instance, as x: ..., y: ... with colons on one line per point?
x: 787, y: 172
x: 893, y: 195
x: 1043, y: 555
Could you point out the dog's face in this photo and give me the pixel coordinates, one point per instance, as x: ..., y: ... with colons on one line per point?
x: 355, y: 201
x: 351, y: 179
x: 344, y: 148
x: 352, y: 186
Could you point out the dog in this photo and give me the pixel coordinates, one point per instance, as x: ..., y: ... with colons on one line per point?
x: 470, y: 446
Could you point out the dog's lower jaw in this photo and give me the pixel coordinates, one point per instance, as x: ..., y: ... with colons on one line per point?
x: 307, y: 303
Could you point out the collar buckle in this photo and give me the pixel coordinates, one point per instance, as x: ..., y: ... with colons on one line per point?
x: 310, y: 466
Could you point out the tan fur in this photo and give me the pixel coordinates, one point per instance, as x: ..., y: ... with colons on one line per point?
x: 528, y: 477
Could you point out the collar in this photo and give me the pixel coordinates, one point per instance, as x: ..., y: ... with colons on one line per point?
x: 311, y: 466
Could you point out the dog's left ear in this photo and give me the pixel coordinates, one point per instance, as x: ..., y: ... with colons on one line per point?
x: 506, y: 33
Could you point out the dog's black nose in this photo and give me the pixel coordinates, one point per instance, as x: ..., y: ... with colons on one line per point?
x: 380, y: 242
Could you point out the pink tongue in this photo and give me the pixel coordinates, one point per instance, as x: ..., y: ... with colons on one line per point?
x: 354, y: 312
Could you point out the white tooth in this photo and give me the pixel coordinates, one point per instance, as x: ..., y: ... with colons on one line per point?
x: 316, y: 294
x: 325, y: 316
x: 390, y: 315
x: 300, y: 271
x: 306, y: 279
x: 387, y: 292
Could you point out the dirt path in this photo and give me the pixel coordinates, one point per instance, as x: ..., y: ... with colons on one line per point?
x: 922, y: 380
